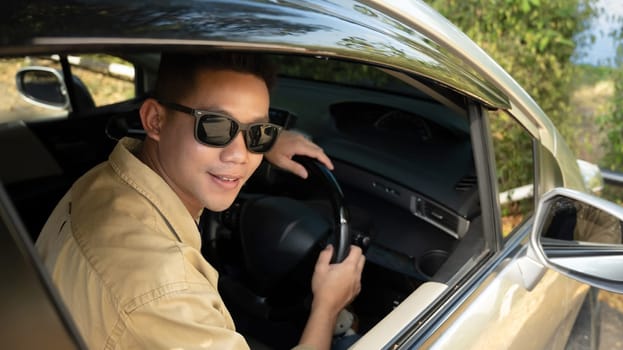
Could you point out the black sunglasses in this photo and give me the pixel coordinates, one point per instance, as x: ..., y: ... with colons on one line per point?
x: 218, y: 130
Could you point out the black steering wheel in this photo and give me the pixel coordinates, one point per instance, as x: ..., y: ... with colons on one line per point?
x: 279, y: 239
x: 341, y: 218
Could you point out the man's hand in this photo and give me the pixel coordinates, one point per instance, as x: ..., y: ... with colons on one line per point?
x: 334, y: 286
x: 290, y: 144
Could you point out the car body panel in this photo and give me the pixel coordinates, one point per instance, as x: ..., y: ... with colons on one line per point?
x: 504, y: 315
x: 35, y: 307
x: 504, y: 312
x: 320, y: 28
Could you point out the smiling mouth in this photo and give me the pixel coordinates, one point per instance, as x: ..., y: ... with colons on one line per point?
x: 226, y: 178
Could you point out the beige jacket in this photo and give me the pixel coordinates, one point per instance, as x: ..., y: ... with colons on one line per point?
x: 125, y: 255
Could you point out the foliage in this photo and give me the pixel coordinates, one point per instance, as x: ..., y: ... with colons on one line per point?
x: 612, y: 122
x: 514, y: 163
x: 510, y: 143
x: 534, y: 40
x: 590, y: 75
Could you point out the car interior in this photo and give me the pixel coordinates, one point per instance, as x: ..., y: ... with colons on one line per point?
x: 404, y: 177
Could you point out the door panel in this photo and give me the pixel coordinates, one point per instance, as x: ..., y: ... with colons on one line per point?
x: 33, y: 316
x: 503, y: 314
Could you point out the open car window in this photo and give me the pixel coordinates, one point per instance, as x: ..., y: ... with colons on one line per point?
x: 108, y: 79
x: 403, y: 154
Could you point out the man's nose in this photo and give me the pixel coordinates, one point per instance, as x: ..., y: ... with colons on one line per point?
x: 236, y: 151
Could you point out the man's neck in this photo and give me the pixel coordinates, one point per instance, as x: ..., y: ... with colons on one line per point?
x: 149, y: 157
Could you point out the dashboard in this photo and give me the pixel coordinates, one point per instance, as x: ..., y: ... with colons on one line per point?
x: 405, y: 163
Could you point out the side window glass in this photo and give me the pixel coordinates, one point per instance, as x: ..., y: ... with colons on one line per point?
x: 12, y: 105
x: 99, y: 80
x: 514, y: 163
x: 108, y: 79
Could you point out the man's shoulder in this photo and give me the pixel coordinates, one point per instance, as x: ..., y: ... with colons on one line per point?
x: 100, y: 195
x: 123, y: 237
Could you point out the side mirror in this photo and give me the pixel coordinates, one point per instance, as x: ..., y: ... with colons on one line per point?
x: 43, y: 87
x: 580, y: 235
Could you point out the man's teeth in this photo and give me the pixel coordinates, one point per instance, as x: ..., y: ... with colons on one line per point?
x: 225, y: 178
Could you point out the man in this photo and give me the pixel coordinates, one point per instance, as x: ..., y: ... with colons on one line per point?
x: 123, y: 246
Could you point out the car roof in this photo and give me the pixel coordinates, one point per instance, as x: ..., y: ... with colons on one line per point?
x: 353, y: 30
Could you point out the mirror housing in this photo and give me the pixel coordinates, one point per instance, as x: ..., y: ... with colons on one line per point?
x: 580, y: 236
x: 43, y: 86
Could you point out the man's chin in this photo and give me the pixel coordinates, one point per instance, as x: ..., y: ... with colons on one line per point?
x: 219, y: 207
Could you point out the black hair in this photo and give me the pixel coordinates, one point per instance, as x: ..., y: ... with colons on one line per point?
x: 177, y: 71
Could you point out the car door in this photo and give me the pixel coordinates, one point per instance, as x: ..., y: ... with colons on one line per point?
x: 33, y: 315
x: 508, y: 302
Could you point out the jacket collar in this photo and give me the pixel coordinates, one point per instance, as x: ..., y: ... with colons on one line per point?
x: 152, y: 186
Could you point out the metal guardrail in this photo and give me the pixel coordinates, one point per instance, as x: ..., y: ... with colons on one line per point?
x: 612, y: 177
x: 114, y: 69
x: 609, y: 177
x: 516, y: 194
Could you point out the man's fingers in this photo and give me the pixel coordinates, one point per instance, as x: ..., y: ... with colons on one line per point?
x: 324, y: 159
x: 284, y: 162
x: 294, y: 167
x: 325, y: 256
x: 291, y: 143
x: 354, y: 254
x: 361, y: 263
x: 308, y: 148
x: 314, y: 151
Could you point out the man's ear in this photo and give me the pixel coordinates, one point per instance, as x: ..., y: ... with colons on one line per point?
x: 152, y: 117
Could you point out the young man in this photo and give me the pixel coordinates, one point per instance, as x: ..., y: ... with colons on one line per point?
x: 123, y: 245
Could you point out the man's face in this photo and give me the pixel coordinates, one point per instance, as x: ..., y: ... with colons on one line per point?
x: 204, y: 176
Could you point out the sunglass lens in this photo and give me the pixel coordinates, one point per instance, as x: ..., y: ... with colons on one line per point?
x: 261, y: 137
x: 216, y: 131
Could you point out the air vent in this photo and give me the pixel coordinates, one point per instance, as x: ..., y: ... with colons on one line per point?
x: 466, y: 183
x: 440, y: 217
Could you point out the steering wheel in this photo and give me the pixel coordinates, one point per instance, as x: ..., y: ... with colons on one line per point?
x: 280, y: 239
x: 341, y: 217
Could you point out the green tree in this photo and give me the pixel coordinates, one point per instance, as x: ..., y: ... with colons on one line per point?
x: 534, y: 40
x: 612, y: 122
x: 612, y: 125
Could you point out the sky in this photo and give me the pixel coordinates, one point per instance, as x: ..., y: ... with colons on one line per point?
x: 604, y: 48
